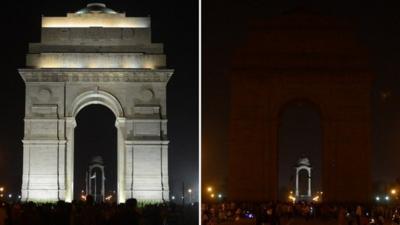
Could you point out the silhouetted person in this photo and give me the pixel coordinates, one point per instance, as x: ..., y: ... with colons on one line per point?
x: 3, y: 214
x: 90, y: 213
x: 130, y: 215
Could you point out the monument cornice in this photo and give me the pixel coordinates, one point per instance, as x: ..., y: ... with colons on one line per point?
x: 95, y: 75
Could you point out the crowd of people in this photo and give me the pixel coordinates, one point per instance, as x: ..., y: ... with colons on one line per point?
x: 274, y: 213
x: 89, y: 213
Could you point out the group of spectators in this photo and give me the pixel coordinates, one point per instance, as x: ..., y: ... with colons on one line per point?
x: 274, y: 213
x: 89, y: 213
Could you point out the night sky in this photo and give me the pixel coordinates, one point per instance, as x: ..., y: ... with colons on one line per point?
x: 174, y: 23
x: 224, y: 27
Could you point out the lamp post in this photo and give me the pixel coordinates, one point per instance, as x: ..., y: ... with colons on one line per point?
x: 1, y: 192
x: 190, y: 195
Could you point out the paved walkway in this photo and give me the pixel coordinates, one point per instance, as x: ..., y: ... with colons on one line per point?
x: 296, y: 221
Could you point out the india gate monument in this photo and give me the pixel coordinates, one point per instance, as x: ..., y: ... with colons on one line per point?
x: 95, y: 56
x: 301, y: 58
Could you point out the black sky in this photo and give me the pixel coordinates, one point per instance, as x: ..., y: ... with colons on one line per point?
x: 224, y: 27
x: 174, y: 23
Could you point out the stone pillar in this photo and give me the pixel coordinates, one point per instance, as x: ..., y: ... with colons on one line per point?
x: 297, y: 182
x: 309, y: 183
x: 121, y: 129
x: 164, y: 172
x: 69, y: 187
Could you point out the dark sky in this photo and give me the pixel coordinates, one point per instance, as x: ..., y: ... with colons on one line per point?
x: 224, y: 27
x: 174, y: 23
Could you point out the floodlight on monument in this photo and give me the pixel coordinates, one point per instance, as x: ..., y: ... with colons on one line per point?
x: 292, y: 198
x: 83, y: 197
x: 316, y: 198
x: 108, y: 198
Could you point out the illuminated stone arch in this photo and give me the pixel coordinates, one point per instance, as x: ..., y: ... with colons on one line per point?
x: 97, y: 97
x: 111, y: 102
x: 303, y: 164
x: 80, y: 61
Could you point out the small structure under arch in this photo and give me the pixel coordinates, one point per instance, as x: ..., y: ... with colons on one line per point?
x: 303, y: 164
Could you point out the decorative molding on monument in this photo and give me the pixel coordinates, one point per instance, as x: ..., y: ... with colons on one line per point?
x: 96, y: 75
x: 147, y: 142
x: 44, y: 141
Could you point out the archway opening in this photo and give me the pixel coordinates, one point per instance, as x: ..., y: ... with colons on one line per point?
x: 303, y: 182
x: 95, y: 135
x: 299, y: 136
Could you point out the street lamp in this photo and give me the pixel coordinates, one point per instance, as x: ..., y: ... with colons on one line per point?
x: 190, y: 195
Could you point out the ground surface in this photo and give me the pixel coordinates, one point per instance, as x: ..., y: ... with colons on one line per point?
x: 295, y: 221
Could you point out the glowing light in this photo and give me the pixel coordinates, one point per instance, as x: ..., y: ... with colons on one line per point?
x: 212, y: 195
x: 387, y: 198
x: 316, y: 198
x: 190, y: 190
x: 173, y: 197
x: 93, y: 60
x: 377, y: 198
x: 83, y: 197
x: 219, y: 195
x: 19, y: 196
x: 108, y: 198
x: 393, y: 191
x: 96, y: 20
x: 209, y: 189
x: 1, y: 189
x: 292, y: 198
x: 10, y: 195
